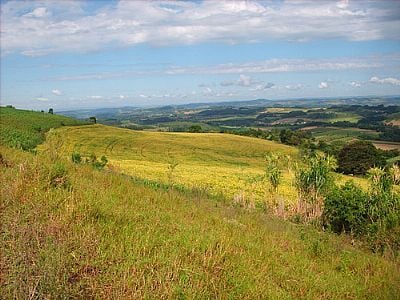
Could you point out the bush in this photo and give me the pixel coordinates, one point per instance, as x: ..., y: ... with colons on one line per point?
x: 373, y: 216
x: 345, y: 208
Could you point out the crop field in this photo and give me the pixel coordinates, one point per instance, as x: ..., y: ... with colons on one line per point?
x: 331, y: 134
x: 220, y: 164
x: 227, y: 166
x: 344, y: 117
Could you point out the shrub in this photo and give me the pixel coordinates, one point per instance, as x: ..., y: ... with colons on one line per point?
x: 345, y: 208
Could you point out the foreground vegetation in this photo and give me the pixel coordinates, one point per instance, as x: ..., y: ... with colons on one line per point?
x: 99, y: 234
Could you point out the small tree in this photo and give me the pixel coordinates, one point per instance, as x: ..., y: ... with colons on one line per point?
x: 195, y: 128
x: 358, y: 157
x: 312, y: 180
x: 93, y: 120
x: 51, y: 111
x: 273, y: 171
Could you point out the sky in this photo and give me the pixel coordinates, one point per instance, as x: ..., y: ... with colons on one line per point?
x: 69, y: 54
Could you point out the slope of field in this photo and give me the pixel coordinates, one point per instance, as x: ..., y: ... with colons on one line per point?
x: 334, y: 134
x: 106, y: 237
x: 220, y: 164
x: 25, y: 129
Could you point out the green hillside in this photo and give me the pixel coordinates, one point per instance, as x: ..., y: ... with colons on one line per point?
x: 25, y: 129
x: 73, y: 231
x: 105, y: 236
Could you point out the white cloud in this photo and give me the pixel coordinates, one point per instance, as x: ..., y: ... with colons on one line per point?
x: 122, y: 97
x: 281, y: 65
x: 355, y: 84
x: 207, y: 91
x: 143, y: 96
x: 56, y: 92
x: 261, y: 87
x: 95, y: 97
x: 294, y: 87
x: 65, y: 26
x: 323, y: 85
x: 42, y: 99
x: 387, y: 80
x: 244, y: 81
x: 39, y: 12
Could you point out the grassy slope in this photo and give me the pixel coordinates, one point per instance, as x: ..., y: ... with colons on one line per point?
x: 108, y: 237
x: 219, y: 163
x: 25, y: 129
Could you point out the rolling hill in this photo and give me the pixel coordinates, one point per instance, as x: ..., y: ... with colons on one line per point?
x: 73, y: 231
x: 223, y: 165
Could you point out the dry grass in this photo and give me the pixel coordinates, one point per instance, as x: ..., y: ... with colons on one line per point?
x: 108, y: 237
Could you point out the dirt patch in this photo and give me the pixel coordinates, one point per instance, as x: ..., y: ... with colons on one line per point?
x: 387, y: 146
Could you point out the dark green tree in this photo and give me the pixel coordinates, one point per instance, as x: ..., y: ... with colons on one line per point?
x: 51, y: 111
x: 358, y: 157
x: 93, y: 120
x: 195, y: 128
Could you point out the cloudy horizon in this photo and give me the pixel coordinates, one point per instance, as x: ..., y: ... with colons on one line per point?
x: 89, y: 54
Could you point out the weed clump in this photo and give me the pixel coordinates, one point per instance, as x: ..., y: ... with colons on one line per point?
x: 92, y: 160
x: 58, y: 176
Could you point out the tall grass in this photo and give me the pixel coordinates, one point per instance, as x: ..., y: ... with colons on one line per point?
x: 106, y: 236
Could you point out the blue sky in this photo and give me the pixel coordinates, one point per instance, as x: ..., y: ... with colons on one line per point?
x: 85, y: 54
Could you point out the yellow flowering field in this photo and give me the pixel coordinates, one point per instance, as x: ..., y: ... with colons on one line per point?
x: 220, y: 164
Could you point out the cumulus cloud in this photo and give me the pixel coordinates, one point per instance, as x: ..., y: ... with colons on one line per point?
x: 42, y: 99
x: 42, y: 27
x: 122, y: 97
x: 56, y: 92
x: 39, y: 12
x: 355, y: 84
x: 323, y: 85
x: 387, y: 80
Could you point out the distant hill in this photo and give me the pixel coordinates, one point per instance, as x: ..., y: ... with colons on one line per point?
x: 301, y: 102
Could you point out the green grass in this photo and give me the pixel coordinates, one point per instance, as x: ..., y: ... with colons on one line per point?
x: 344, y: 117
x: 331, y: 134
x: 26, y: 129
x: 109, y: 237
